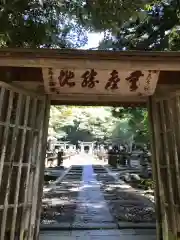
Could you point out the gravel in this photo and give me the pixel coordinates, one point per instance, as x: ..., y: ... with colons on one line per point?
x: 140, y: 210
x: 59, y: 204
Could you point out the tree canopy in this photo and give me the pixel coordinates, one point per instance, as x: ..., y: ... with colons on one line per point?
x: 116, y: 125
x: 81, y: 123
x: 155, y: 27
x: 64, y: 23
x: 137, y: 121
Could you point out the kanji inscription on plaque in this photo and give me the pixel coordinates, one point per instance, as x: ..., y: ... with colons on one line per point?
x: 65, y: 78
x: 113, y: 81
x: 94, y: 81
x: 133, y: 79
x: 89, y: 79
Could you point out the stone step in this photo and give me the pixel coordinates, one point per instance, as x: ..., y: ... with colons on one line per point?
x: 93, y: 225
x: 131, y: 225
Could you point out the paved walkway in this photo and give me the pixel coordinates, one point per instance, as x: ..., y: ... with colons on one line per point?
x: 92, y: 211
x: 97, y: 235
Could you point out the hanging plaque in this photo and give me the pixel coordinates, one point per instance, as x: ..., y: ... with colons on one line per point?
x: 92, y: 81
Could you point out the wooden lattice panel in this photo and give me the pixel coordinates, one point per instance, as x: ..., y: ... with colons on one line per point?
x: 165, y: 117
x: 21, y: 134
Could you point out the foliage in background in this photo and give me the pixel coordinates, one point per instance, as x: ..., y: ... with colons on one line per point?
x: 116, y: 125
x: 81, y: 123
x: 137, y: 119
x: 156, y: 27
x: 64, y: 23
x: 28, y: 23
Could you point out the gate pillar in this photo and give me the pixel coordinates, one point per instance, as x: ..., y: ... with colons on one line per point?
x: 164, y: 115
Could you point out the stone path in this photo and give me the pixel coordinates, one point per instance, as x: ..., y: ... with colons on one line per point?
x: 92, y: 210
x: 92, y: 213
x: 96, y: 235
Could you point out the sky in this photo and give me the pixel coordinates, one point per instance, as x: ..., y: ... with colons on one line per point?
x: 93, y: 40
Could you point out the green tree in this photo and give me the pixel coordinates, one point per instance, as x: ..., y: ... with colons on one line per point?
x: 59, y: 117
x: 81, y: 123
x: 27, y: 23
x: 122, y: 133
x: 155, y: 27
x: 137, y: 119
x: 61, y: 24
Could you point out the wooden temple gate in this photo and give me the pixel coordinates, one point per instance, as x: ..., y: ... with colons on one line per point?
x: 31, y: 80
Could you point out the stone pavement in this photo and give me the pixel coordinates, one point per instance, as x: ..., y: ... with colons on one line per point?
x: 96, y: 235
x: 92, y: 212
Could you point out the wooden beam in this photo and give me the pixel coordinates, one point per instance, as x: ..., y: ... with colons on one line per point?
x: 155, y: 165
x: 81, y: 59
x: 166, y: 91
x: 20, y: 74
x: 169, y: 77
x: 96, y: 98
x: 101, y: 103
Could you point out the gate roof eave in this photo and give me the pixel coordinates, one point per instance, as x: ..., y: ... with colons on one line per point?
x: 129, y: 60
